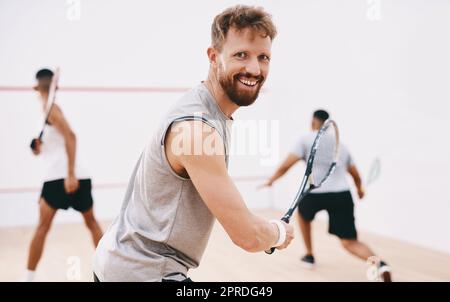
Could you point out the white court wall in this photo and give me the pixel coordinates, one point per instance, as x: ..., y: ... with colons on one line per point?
x: 384, y: 77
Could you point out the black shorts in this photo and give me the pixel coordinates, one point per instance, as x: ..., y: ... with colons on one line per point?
x: 56, y: 197
x: 339, y: 206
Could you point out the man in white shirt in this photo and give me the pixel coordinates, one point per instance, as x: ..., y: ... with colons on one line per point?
x: 66, y: 183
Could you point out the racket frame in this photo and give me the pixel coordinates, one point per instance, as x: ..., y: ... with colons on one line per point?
x: 48, y: 108
x: 51, y: 99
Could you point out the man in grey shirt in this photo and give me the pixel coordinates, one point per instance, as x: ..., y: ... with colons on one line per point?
x: 180, y: 184
x: 333, y: 196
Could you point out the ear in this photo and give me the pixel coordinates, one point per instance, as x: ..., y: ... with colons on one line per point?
x: 36, y: 88
x: 212, y: 55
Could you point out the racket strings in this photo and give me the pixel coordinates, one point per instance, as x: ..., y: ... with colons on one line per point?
x: 325, y: 157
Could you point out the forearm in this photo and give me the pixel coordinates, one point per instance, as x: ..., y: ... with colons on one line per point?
x: 71, y: 147
x: 290, y: 160
x: 355, y: 175
x: 280, y: 172
x: 358, y: 182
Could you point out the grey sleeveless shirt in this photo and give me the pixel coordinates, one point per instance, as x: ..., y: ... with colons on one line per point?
x: 163, y: 226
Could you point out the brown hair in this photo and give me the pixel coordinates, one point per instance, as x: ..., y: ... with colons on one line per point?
x: 240, y: 17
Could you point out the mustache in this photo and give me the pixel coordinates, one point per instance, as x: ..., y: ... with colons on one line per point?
x: 259, y: 78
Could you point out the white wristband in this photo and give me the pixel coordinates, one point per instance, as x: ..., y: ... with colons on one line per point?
x: 281, y: 232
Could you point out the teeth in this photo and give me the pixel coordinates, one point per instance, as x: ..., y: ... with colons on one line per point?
x: 247, y: 82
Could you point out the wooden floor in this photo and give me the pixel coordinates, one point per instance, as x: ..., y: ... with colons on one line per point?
x: 68, y: 257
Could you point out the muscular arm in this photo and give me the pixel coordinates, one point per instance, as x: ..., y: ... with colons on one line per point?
x: 210, y: 177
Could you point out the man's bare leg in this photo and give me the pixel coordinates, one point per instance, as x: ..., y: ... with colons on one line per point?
x: 46, y: 215
x: 93, y: 226
x: 305, y: 227
x: 362, y: 251
x: 308, y: 260
x: 357, y: 248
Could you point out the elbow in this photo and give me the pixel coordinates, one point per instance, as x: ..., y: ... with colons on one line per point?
x: 71, y: 137
x: 248, y: 245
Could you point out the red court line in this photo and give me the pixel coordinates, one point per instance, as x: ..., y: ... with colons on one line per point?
x: 19, y: 190
x: 100, y: 89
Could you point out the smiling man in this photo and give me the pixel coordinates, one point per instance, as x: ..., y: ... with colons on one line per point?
x: 180, y: 184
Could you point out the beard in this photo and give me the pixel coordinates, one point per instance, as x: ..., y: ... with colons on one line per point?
x: 234, y: 88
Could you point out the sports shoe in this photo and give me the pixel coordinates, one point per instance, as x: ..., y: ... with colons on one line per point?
x: 308, y: 261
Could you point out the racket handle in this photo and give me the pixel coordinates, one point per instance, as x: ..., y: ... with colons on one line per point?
x: 34, y: 140
x: 33, y: 143
x: 285, y: 219
x: 270, y: 252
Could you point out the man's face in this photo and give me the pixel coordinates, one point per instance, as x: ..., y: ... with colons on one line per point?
x: 43, y: 85
x: 316, y: 124
x: 243, y: 65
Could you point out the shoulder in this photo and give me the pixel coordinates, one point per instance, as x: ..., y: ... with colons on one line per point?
x: 55, y: 114
x: 193, y: 136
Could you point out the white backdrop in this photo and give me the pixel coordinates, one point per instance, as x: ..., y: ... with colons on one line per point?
x: 380, y: 67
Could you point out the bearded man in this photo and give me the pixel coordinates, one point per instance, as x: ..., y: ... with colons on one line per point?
x: 180, y: 184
